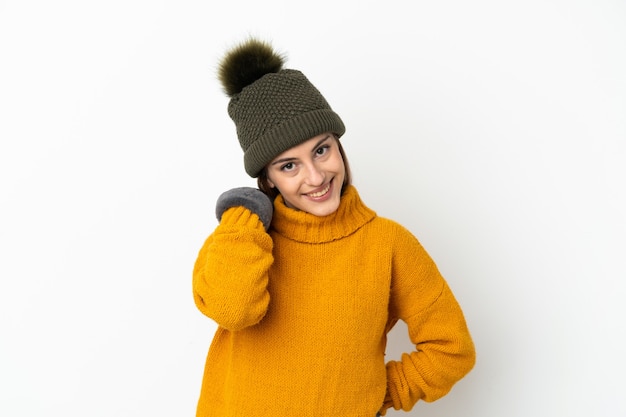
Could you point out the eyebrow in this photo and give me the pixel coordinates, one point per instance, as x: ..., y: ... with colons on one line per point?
x: 317, y: 145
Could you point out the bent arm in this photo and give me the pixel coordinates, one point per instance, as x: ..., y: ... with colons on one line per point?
x: 444, y: 354
x: 444, y: 348
x: 230, y: 275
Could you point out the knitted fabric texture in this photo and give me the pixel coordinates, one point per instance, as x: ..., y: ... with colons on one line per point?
x: 278, y: 111
x: 303, y: 312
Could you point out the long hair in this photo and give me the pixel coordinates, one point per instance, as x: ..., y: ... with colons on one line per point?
x: 272, y: 192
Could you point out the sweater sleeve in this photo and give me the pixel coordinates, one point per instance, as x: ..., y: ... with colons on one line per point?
x: 444, y: 348
x: 230, y: 275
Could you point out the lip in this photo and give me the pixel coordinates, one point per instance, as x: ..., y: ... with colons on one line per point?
x: 329, y: 187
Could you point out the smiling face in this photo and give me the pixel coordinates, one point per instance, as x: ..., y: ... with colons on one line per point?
x: 310, y: 176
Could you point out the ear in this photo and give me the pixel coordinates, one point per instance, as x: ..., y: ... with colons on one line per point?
x: 270, y: 183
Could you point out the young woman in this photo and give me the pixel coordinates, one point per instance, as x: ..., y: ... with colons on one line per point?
x: 304, y: 280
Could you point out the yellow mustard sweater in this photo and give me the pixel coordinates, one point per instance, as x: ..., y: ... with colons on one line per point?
x: 303, y: 314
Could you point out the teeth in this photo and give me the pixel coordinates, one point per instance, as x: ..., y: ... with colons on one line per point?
x: 321, y: 193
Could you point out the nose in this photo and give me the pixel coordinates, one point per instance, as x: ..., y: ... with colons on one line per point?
x: 314, y: 175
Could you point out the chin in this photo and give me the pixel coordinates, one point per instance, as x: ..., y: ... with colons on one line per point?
x: 325, y: 209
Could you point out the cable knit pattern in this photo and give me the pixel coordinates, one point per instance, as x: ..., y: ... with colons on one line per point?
x: 303, y: 314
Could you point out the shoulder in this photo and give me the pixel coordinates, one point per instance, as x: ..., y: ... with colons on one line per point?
x: 392, y: 230
x: 386, y: 227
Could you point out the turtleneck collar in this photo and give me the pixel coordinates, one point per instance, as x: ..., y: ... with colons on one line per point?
x: 305, y: 227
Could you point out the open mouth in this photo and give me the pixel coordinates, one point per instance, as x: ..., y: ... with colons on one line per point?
x: 320, y: 193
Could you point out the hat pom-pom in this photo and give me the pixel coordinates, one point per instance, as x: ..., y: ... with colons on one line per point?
x: 246, y: 63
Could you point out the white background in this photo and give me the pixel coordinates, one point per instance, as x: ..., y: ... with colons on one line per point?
x: 493, y: 130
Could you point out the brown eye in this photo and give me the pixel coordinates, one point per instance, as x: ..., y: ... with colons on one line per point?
x: 287, y: 167
x: 322, y: 150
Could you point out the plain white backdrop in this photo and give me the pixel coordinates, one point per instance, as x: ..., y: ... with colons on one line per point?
x: 494, y: 130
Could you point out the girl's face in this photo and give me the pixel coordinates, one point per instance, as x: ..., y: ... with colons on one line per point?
x: 310, y: 176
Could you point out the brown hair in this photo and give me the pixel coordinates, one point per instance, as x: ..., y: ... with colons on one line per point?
x: 272, y: 192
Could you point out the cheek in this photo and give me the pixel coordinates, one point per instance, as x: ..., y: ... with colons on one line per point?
x: 287, y: 186
x: 277, y: 182
x: 340, y: 166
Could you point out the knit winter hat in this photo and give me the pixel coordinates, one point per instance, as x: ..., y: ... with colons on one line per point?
x: 274, y: 109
